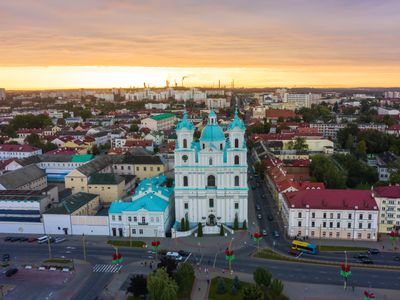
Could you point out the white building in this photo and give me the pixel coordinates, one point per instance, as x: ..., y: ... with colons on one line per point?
x: 211, y: 175
x: 333, y: 214
x: 18, y: 151
x: 2, y: 94
x: 217, y: 102
x: 159, y: 122
x: 150, y: 213
x: 298, y: 100
x: 105, y: 96
x: 156, y: 105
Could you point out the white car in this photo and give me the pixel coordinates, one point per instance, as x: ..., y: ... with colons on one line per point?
x: 174, y: 255
x: 60, y: 240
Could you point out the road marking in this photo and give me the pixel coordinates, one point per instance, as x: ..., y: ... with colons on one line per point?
x: 215, y: 259
x: 106, y: 268
x: 187, y: 257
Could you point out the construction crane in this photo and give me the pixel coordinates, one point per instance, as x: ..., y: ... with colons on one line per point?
x: 183, y: 78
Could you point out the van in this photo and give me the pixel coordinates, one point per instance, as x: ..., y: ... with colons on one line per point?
x: 174, y: 255
x: 42, y: 239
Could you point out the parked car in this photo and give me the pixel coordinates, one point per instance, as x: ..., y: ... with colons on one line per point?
x: 183, y: 253
x: 23, y: 239
x: 373, y: 251
x: 14, y: 239
x: 174, y: 255
x: 366, y: 260
x: 60, y: 240
x: 361, y: 256
x: 6, y: 257
x: 259, y: 216
x: 162, y: 252
x: 275, y: 234
x: 32, y: 239
x: 7, y: 238
x: 264, y: 232
x: 397, y: 258
x: 270, y: 218
x: 11, y: 272
x: 258, y: 207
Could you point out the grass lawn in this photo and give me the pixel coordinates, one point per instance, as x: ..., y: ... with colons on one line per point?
x: 340, y: 248
x: 269, y: 254
x: 118, y: 243
x: 213, y: 295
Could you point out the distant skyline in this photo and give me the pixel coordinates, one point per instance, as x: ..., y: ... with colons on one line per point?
x: 122, y: 43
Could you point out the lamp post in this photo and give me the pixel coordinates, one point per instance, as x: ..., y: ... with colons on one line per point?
x: 345, y: 270
x: 229, y: 256
x: 84, y: 246
x: 48, y: 245
x: 257, y: 237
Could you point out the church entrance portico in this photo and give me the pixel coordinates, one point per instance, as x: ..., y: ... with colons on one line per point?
x: 211, y: 221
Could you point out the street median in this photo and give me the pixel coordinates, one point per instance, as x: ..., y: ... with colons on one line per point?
x: 128, y: 244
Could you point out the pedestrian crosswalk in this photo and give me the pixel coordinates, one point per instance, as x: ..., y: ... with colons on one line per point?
x: 107, y: 268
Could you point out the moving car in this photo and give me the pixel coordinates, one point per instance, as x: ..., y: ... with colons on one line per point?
x: 258, y: 207
x: 396, y: 258
x: 270, y: 218
x: 366, y: 260
x: 32, y: 239
x: 275, y: 233
x: 6, y: 257
x: 294, y: 252
x: 259, y: 216
x: 174, y: 255
x: 264, y: 232
x: 373, y: 251
x: 42, y: 239
x: 60, y: 240
x: 14, y: 239
x: 23, y: 239
x: 7, y: 238
x: 11, y: 272
x: 183, y: 253
x: 361, y: 256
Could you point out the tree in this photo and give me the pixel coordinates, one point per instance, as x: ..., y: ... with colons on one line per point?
x: 138, y: 286
x: 236, y: 223
x: 221, y: 289
x: 236, y: 282
x: 168, y: 264
x: 95, y: 150
x: 262, y: 277
x: 300, y: 144
x: 325, y: 170
x: 259, y: 169
x: 161, y: 286
x: 60, y: 122
x: 134, y: 127
x: 349, y: 142
x: 183, y: 225
x: 221, y: 230
x: 362, y: 149
x: 244, y: 227
x: 199, y: 230
x: 335, y: 107
x: 276, y: 288
x: 252, y: 292
x: 184, y: 277
x: 187, y: 222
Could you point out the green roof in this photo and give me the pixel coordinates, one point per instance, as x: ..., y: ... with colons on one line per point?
x: 72, y: 203
x: 162, y: 116
x: 105, y: 178
x: 81, y: 157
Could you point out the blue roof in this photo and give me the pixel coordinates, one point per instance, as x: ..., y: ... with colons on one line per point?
x: 212, y: 133
x: 237, y: 122
x: 185, y: 123
x: 212, y: 114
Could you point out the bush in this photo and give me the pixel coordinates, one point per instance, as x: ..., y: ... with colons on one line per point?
x: 183, y: 225
x: 199, y: 230
x: 244, y: 227
x: 234, y: 290
x: 236, y: 282
x: 221, y: 289
x: 236, y: 223
x: 221, y: 231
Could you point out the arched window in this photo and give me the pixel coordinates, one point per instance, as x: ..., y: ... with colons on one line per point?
x: 220, y: 147
x: 204, y: 146
x: 236, y: 180
x: 184, y: 143
x: 185, y: 181
x: 236, y: 159
x: 211, y: 181
x: 210, y: 162
x: 236, y: 143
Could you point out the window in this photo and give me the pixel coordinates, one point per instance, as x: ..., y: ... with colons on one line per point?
x: 313, y: 215
x: 236, y: 205
x: 210, y: 162
x: 157, y: 219
x: 338, y: 225
x: 348, y: 235
x: 186, y: 205
x: 299, y: 224
x: 137, y: 168
x: 368, y: 236
x: 369, y: 217
x: 359, y: 225
x: 152, y: 219
x: 144, y: 168
x: 330, y: 233
x: 236, y: 143
x: 349, y: 225
x: 134, y: 219
x: 113, y: 218
x: 204, y: 146
x: 220, y: 147
x: 349, y: 216
x: 331, y: 216
x: 151, y: 168
x: 312, y: 233
x: 129, y: 219
x: 133, y: 231
x: 158, y: 168
x: 211, y: 181
x: 143, y: 219
x: 211, y: 202
x: 312, y: 224
x: 184, y: 143
x: 185, y: 181
x: 361, y: 216
x: 338, y: 216
x: 330, y: 224
x: 140, y: 231
x: 236, y: 159
x: 359, y: 235
x: 119, y: 218
x: 369, y: 225
x: 122, y: 167
x: 236, y: 180
x: 324, y: 224
x: 299, y: 215
x: 324, y: 215
x: 324, y: 234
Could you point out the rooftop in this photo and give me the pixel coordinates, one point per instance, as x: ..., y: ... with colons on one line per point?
x: 142, y: 160
x: 388, y: 191
x: 105, y: 178
x: 17, y: 148
x: 72, y: 203
x: 162, y: 116
x: 14, y: 180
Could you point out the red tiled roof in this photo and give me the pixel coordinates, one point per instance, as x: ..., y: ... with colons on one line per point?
x: 136, y: 143
x: 17, y: 148
x: 277, y: 113
x: 331, y: 199
x: 388, y: 191
x: 62, y: 151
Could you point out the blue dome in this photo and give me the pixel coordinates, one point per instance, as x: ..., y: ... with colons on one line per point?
x: 185, y: 123
x: 212, y: 133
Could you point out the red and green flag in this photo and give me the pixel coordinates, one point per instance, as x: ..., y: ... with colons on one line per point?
x: 393, y: 235
x: 368, y: 295
x: 229, y: 256
x: 117, y: 258
x: 155, y: 245
x: 345, y: 271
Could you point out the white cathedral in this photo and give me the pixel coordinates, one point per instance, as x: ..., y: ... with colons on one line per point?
x: 211, y: 174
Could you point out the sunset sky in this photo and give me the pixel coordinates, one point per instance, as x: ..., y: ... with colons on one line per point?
x: 121, y: 43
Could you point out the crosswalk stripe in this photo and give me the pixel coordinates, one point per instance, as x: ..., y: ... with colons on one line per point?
x: 100, y: 268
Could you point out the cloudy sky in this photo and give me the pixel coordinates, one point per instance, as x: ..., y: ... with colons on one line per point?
x: 75, y: 43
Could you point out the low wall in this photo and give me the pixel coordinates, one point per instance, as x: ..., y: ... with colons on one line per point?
x: 18, y: 227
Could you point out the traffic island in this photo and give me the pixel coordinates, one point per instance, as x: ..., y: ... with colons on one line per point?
x: 122, y: 243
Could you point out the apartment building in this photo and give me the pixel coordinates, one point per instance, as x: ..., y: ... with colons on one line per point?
x: 18, y: 151
x: 160, y: 122
x: 388, y: 201
x: 331, y: 214
x: 142, y: 166
x: 30, y: 177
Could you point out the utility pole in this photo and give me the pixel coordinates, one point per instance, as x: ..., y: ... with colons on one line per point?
x: 84, y: 246
x: 48, y: 245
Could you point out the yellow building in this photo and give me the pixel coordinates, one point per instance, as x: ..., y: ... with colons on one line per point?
x: 79, y: 204
x: 110, y: 187
x: 142, y: 166
x: 388, y: 200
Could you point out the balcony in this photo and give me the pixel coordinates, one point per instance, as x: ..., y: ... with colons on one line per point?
x: 143, y: 223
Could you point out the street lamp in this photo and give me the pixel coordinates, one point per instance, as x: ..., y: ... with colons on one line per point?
x: 229, y: 256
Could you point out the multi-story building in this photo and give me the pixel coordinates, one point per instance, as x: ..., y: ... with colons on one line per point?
x: 333, y: 214
x: 142, y: 166
x: 330, y: 130
x: 30, y: 177
x: 150, y: 213
x: 156, y: 105
x: 18, y: 151
x: 298, y: 100
x: 211, y: 174
x: 392, y: 94
x: 388, y: 200
x: 217, y: 102
x: 159, y: 122
x: 2, y: 94
x: 109, y: 186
